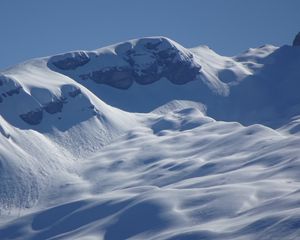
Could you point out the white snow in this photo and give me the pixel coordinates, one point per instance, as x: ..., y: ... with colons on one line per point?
x: 215, y: 158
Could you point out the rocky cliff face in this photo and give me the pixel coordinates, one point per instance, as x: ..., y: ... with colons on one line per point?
x: 143, y: 61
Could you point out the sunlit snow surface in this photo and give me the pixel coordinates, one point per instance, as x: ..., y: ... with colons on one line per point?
x: 213, y: 156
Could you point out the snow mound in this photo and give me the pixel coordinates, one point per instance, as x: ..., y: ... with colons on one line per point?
x: 146, y: 139
x: 45, y: 126
x: 216, y: 180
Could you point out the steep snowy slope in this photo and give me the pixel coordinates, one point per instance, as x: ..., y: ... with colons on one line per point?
x: 48, y: 121
x: 147, y: 140
x: 256, y: 87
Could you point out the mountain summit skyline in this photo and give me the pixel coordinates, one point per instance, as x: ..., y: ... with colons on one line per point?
x: 148, y: 139
x: 36, y: 29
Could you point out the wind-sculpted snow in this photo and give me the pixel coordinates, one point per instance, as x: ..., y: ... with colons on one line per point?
x: 257, y: 86
x: 148, y: 140
x: 180, y: 176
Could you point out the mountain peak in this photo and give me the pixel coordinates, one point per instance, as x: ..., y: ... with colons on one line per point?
x: 93, y: 140
x: 296, y: 41
x: 141, y: 61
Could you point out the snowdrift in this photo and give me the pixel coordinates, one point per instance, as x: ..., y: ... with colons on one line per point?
x: 146, y: 139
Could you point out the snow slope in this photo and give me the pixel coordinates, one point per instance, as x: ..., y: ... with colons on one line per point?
x: 149, y: 140
x: 239, y: 88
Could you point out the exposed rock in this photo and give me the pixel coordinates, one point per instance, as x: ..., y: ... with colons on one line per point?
x: 33, y: 117
x: 144, y: 62
x: 14, y: 91
x: 8, y: 83
x: 116, y: 77
x: 53, y: 107
x: 296, y: 41
x: 74, y: 93
x: 10, y: 93
x: 70, y: 61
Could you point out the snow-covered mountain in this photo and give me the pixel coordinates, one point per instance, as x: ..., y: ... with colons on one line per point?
x: 146, y: 139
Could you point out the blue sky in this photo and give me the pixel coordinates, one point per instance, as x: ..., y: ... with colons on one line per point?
x: 36, y: 28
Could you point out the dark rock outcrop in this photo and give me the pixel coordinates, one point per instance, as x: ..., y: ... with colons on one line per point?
x: 54, y: 106
x: 14, y: 91
x: 33, y: 117
x: 121, y: 78
x: 70, y: 61
x: 296, y: 41
x: 144, y: 62
x: 8, y: 88
x: 74, y: 93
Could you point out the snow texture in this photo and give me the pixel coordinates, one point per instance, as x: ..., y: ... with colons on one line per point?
x: 146, y: 139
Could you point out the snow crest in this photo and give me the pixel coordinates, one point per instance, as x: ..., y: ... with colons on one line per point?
x: 149, y: 140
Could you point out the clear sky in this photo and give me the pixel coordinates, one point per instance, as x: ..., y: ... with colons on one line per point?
x: 36, y: 28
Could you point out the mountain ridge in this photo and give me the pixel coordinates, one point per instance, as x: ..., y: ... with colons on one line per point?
x: 221, y: 82
x: 182, y: 143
